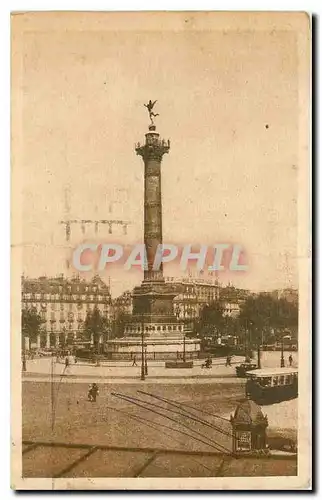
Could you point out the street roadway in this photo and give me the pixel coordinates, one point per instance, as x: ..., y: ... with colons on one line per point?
x: 195, y: 418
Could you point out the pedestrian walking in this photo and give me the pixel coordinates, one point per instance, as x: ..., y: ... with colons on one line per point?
x: 66, y: 362
x: 93, y: 392
x: 290, y: 360
x: 228, y: 361
x: 208, y: 362
x: 134, y: 361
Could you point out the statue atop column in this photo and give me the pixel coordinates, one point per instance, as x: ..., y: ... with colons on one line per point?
x: 149, y: 107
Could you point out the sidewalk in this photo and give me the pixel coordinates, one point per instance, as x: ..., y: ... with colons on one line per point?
x: 44, y: 369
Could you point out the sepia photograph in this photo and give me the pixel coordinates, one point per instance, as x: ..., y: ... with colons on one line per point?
x: 160, y: 251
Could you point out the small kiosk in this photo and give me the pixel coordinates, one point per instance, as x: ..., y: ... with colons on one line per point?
x: 248, y: 427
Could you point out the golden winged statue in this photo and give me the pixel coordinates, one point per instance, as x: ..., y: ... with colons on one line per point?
x: 149, y: 107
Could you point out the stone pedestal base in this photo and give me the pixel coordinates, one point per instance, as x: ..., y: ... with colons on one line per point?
x: 156, y: 348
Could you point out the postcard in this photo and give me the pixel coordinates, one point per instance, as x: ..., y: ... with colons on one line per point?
x: 161, y: 251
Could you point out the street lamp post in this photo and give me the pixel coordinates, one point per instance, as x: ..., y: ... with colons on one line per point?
x: 142, y: 350
x: 177, y: 311
x: 145, y: 361
x: 259, y: 347
x: 258, y: 355
x: 24, y: 363
x: 246, y: 339
x: 282, y: 354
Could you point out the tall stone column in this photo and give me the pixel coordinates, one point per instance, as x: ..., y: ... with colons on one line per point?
x: 153, y: 327
x: 152, y: 152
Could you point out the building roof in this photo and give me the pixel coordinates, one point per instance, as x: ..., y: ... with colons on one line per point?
x: 271, y: 372
x: 60, y: 284
x: 248, y: 412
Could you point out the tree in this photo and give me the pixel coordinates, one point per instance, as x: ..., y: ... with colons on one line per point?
x: 287, y: 315
x: 30, y: 327
x: 31, y: 322
x: 120, y: 320
x: 211, y: 319
x: 95, y: 325
x: 232, y: 325
x: 262, y: 313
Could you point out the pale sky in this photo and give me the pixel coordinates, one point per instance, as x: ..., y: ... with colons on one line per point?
x: 228, y: 101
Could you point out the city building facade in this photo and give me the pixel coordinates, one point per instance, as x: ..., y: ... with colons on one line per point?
x: 195, y: 294
x: 63, y: 304
x: 232, y: 299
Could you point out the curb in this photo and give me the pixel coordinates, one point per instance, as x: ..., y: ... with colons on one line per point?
x: 125, y: 377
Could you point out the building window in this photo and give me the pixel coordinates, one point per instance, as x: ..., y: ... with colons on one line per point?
x: 52, y: 305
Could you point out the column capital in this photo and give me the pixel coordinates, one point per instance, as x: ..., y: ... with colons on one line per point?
x: 154, y: 147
